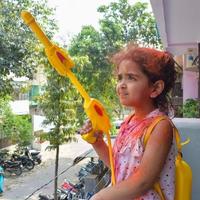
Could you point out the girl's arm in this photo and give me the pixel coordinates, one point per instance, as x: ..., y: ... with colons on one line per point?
x: 99, y: 146
x: 101, y: 149
x: 153, y: 160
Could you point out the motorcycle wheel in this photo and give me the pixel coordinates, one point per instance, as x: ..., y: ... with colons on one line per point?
x: 45, y: 197
x: 29, y: 164
x: 17, y: 171
x: 38, y: 161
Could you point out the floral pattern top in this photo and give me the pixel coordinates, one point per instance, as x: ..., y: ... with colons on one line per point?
x: 128, y: 151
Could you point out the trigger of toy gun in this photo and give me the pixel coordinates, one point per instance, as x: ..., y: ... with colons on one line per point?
x: 89, y: 137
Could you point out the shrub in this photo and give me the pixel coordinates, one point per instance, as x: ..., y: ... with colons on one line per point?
x: 190, y: 108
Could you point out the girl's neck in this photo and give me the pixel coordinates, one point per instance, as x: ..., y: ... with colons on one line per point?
x: 142, y: 113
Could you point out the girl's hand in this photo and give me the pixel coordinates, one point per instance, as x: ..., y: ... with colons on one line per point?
x: 96, y: 197
x: 87, y: 127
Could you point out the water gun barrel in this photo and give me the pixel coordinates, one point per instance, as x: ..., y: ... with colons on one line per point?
x: 79, y: 87
x: 30, y: 21
x: 57, y: 57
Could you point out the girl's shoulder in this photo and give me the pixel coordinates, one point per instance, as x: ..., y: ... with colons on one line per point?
x: 160, y: 122
x: 163, y: 120
x: 157, y: 117
x: 160, y: 125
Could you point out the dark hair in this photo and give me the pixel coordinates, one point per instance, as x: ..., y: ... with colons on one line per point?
x: 156, y: 65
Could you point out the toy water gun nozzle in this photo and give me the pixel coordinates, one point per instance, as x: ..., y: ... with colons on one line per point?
x: 58, y: 58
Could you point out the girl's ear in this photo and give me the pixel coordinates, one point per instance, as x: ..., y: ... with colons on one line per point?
x: 158, y: 87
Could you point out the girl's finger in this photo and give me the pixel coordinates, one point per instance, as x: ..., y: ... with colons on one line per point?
x: 98, y: 134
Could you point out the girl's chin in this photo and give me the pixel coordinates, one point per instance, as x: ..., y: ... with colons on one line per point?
x: 125, y: 103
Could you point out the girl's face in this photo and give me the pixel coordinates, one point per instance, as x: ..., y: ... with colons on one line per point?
x: 133, y: 87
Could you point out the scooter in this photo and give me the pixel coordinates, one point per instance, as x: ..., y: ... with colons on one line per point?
x: 34, y: 155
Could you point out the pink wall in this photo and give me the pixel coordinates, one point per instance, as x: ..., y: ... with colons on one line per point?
x: 190, y: 85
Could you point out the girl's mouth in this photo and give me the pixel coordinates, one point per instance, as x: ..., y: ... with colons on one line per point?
x: 123, y: 95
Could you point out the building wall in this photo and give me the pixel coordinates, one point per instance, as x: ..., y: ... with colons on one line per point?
x: 189, y: 75
x: 20, y: 107
x: 190, y: 85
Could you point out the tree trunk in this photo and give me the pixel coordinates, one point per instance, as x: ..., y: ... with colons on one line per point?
x: 56, y: 173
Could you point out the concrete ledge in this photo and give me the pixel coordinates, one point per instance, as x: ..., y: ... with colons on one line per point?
x: 190, y: 128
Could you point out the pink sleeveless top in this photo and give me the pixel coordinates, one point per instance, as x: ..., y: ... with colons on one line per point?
x: 128, y: 151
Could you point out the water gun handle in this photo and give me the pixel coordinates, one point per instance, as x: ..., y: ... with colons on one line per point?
x: 89, y: 137
x: 113, y: 180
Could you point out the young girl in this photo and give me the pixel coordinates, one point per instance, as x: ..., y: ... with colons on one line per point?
x: 145, y: 77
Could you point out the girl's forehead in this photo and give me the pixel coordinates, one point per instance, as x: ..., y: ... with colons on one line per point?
x: 129, y: 66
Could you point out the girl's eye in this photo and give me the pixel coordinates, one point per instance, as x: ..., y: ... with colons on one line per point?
x: 119, y: 77
x: 131, y: 77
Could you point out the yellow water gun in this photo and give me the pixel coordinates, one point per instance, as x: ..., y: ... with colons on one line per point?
x: 61, y: 61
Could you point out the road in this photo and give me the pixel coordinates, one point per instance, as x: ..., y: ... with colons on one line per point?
x: 21, y: 187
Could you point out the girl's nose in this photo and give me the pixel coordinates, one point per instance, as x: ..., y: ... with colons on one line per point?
x: 122, y: 84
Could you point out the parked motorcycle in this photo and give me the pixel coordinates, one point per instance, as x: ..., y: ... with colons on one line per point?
x: 92, y: 167
x: 71, y: 191
x: 83, y: 189
x: 34, y: 155
x: 68, y: 191
x: 25, y: 161
x: 11, y: 167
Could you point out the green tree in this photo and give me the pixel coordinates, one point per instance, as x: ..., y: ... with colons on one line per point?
x: 16, y: 128
x: 58, y: 102
x: 120, y: 23
x: 92, y: 68
x: 20, y: 52
x: 191, y: 108
x: 88, y: 45
x: 23, y: 132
